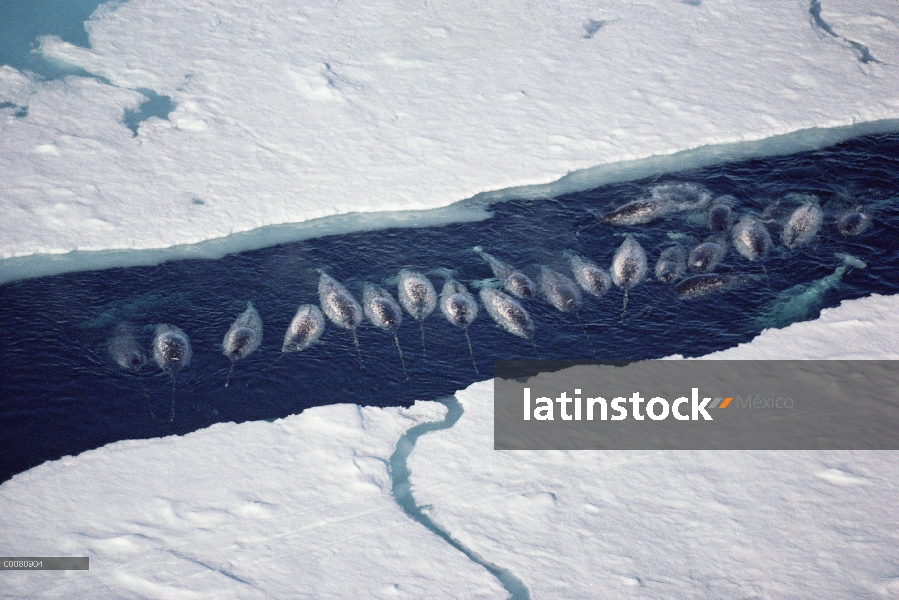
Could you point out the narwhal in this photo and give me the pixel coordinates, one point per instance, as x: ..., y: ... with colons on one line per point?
x: 340, y: 306
x: 805, y: 300
x: 802, y: 225
x: 305, y: 329
x: 172, y: 352
x: 628, y: 266
x: 514, y: 281
x: 384, y: 313
x: 664, y: 200
x: 853, y: 222
x: 124, y: 349
x: 418, y: 297
x: 751, y: 238
x: 559, y: 290
x: 243, y: 337
x: 508, y: 314
x: 672, y: 264
x: 720, y: 217
x: 592, y: 278
x: 460, y: 308
x: 707, y: 255
x: 707, y: 283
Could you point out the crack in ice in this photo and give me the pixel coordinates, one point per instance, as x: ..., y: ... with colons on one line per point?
x: 864, y: 54
x: 402, y: 493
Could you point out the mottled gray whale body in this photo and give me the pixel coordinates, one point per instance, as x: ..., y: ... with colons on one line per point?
x: 384, y: 313
x: 663, y: 200
x: 460, y: 308
x: 457, y: 304
x: 672, y: 264
x: 592, y: 278
x: 514, y: 281
x: 559, y: 290
x: 637, y: 212
x: 804, y: 301
x: 508, y: 313
x: 720, y: 217
x: 751, y: 238
x: 706, y: 256
x: 244, y: 335
x: 172, y: 352
x: 305, y: 329
x: 380, y: 308
x: 338, y: 304
x: 802, y: 225
x: 853, y: 222
x: 171, y: 348
x: 706, y: 283
x: 124, y: 349
x: 416, y: 294
x: 629, y: 264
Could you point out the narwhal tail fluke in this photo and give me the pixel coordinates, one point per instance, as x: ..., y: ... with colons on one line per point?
x: 851, y: 261
x: 400, y: 350
x: 471, y: 352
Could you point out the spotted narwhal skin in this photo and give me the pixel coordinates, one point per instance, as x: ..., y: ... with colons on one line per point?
x: 171, y: 348
x: 720, y: 216
x: 416, y: 294
x: 380, y: 308
x: 705, y: 283
x: 664, y: 200
x: 508, y: 313
x: 125, y: 351
x: 706, y: 256
x: 305, y: 329
x: 802, y: 225
x: 338, y: 303
x: 853, y: 223
x: 751, y: 238
x: 244, y: 335
x: 514, y: 281
x: 457, y: 304
x: 672, y: 264
x: 629, y: 264
x: 637, y: 212
x: 559, y: 290
x: 592, y: 278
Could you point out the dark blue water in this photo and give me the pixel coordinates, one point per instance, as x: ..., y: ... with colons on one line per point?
x: 61, y: 393
x: 23, y: 21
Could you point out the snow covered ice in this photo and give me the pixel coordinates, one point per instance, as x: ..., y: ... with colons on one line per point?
x: 289, y: 113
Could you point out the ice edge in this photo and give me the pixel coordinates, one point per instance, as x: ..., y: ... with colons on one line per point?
x: 468, y: 210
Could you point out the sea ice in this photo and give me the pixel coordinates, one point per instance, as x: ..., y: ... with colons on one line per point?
x: 291, y: 113
x: 678, y: 524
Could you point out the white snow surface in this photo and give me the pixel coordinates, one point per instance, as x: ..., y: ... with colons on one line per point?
x: 297, y: 508
x: 289, y: 112
x: 702, y: 524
